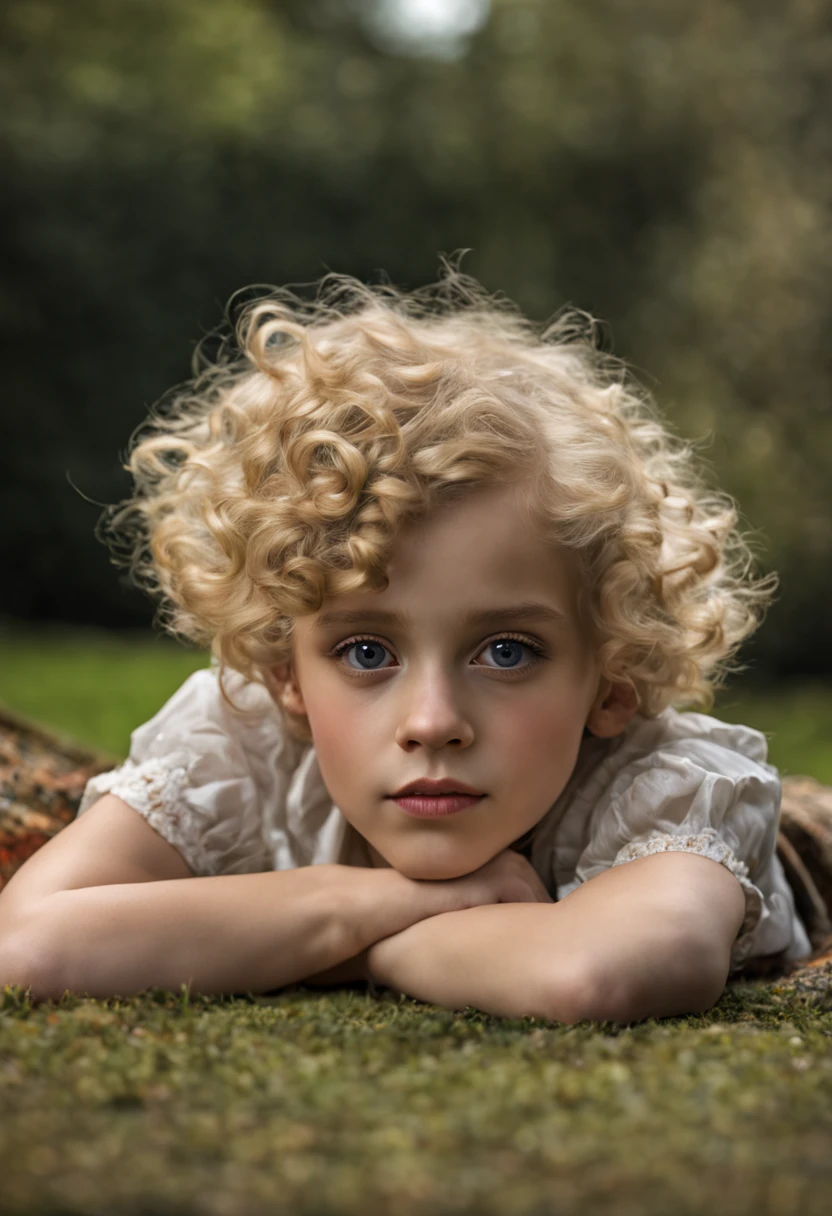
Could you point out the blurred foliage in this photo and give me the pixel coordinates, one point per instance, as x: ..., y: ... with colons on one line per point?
x: 664, y: 165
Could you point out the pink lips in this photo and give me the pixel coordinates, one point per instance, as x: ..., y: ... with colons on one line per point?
x: 431, y: 797
x: 434, y: 787
x: 431, y: 807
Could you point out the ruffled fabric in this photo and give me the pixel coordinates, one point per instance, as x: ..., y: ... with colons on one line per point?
x: 156, y: 788
x: 232, y: 792
x: 206, y: 779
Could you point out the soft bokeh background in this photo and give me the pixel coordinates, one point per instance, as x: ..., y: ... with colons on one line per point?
x: 664, y: 165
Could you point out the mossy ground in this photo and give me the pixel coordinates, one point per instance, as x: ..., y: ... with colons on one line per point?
x: 346, y: 1101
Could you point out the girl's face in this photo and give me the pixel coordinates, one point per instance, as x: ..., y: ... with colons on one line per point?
x: 450, y: 672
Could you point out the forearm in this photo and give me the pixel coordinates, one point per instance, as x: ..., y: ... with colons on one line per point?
x: 656, y: 935
x: 651, y: 938
x: 377, y: 900
x: 500, y: 958
x: 223, y: 934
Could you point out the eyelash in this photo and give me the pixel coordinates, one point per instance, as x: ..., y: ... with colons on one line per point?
x: 537, y: 650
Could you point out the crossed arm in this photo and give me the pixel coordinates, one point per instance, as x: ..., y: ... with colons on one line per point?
x: 651, y: 938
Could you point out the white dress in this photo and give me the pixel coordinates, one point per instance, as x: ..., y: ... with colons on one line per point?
x: 236, y: 794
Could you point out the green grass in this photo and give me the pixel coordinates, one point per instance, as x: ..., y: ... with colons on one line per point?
x: 91, y: 685
x: 353, y: 1103
x: 97, y: 687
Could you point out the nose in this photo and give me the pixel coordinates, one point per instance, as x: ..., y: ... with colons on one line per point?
x: 432, y: 713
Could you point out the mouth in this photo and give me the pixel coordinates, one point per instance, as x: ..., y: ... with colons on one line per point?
x: 433, y: 806
x: 444, y: 787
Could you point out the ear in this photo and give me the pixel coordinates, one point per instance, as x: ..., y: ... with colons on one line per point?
x: 612, y: 709
x: 283, y: 685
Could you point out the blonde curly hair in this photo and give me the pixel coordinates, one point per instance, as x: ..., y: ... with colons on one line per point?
x: 280, y: 475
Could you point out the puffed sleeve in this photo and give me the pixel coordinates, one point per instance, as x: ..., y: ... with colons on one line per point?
x: 190, y: 775
x: 705, y: 788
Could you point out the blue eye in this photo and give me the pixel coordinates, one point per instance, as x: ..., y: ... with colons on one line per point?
x: 506, y: 644
x: 507, y: 647
x: 367, y: 648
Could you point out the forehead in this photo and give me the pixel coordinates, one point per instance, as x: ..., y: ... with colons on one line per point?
x: 488, y: 530
x: 478, y: 553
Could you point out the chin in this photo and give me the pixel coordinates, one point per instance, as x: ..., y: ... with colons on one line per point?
x: 436, y: 869
x: 433, y: 873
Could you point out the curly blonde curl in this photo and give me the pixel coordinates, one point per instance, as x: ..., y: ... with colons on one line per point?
x: 280, y: 475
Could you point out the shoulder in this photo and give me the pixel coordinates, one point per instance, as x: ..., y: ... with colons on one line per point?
x: 682, y: 743
x: 204, y: 741
x: 210, y: 774
x: 199, y: 698
x: 688, y: 770
x: 199, y: 719
x: 675, y: 731
x: 670, y: 765
x: 687, y: 746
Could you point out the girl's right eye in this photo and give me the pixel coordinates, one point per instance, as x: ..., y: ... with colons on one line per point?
x: 371, y: 652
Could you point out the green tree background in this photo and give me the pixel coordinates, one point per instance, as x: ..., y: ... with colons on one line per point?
x: 664, y: 165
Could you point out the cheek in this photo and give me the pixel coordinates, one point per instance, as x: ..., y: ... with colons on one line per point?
x: 339, y: 737
x: 541, y: 737
x: 328, y: 721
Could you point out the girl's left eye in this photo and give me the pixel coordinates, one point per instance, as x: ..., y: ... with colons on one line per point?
x: 505, y: 646
x: 509, y: 643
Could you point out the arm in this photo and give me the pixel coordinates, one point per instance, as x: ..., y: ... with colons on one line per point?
x: 649, y: 938
x: 223, y: 934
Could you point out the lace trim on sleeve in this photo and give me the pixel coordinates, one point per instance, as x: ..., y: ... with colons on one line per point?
x: 707, y: 844
x: 149, y: 787
x: 155, y: 789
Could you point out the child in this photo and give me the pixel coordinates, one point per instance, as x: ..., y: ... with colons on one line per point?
x: 428, y: 542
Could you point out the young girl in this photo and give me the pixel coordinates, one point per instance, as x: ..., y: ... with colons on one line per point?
x: 457, y: 579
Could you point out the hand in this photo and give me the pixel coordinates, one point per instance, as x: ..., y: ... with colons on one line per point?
x: 412, y: 961
x: 507, y: 879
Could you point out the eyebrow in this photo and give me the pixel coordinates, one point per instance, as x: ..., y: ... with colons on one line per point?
x: 525, y: 611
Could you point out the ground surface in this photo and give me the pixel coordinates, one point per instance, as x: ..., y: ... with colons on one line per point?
x: 344, y: 1101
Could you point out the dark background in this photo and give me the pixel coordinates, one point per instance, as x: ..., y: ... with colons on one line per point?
x: 664, y: 165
